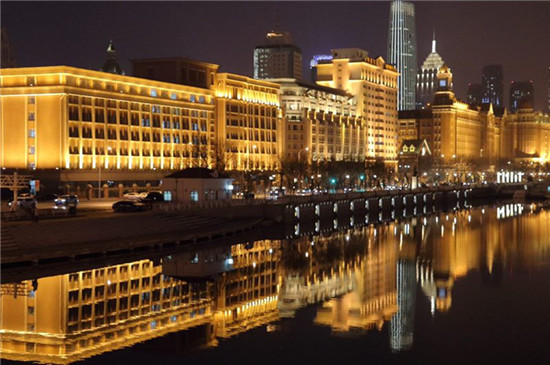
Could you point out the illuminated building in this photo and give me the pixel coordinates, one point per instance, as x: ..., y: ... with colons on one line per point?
x: 373, y: 82
x: 277, y: 57
x: 492, y: 85
x: 75, y: 120
x: 402, y: 51
x: 426, y: 79
x: 455, y: 132
x: 321, y: 123
x: 313, y: 64
x: 474, y: 95
x: 111, y: 65
x: 521, y: 91
x: 249, y: 123
x: 7, y: 53
x: 528, y: 137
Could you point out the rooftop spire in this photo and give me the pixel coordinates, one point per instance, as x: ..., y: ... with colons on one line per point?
x: 433, y: 41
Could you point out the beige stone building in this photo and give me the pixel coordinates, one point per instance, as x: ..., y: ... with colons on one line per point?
x: 373, y: 83
x: 320, y: 123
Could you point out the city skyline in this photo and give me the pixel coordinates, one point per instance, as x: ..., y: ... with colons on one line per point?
x: 363, y: 25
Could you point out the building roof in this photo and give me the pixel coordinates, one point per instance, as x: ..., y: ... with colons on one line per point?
x: 434, y: 60
x: 111, y: 65
x: 417, y: 145
x: 311, y: 86
x: 197, y: 173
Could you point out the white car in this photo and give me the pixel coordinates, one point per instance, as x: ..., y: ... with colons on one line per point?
x: 132, y: 196
x: 143, y: 195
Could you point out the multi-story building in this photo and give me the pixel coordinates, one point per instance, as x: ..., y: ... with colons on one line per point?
x: 474, y: 95
x: 454, y: 131
x: 80, y: 121
x: 427, y: 77
x: 402, y: 51
x: 528, y: 137
x: 492, y: 85
x: 521, y: 92
x: 249, y: 128
x: 373, y: 83
x: 320, y: 123
x: 277, y: 57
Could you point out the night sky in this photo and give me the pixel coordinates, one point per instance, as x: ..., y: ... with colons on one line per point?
x: 469, y: 34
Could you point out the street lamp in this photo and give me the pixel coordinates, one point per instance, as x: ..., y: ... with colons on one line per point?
x: 300, y: 152
x: 109, y: 149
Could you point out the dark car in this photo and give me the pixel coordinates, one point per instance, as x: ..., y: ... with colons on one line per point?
x: 153, y: 196
x: 130, y: 206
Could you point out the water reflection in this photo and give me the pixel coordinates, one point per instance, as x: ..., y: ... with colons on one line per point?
x: 363, y: 279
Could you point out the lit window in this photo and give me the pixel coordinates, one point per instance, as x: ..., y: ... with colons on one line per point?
x: 173, y: 96
x: 31, y: 150
x: 31, y: 116
x: 154, y: 93
x: 201, y: 99
x: 192, y: 98
x: 32, y: 133
x: 31, y: 100
x: 194, y: 196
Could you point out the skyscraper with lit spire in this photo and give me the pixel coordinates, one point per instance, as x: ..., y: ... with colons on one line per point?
x: 427, y: 77
x: 402, y: 51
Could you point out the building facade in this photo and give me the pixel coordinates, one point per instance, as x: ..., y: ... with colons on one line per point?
x: 320, y: 123
x: 373, y: 83
x: 427, y: 77
x: 492, y: 85
x: 474, y: 95
x: 277, y: 57
x: 402, y: 51
x: 249, y: 133
x: 521, y: 92
x: 80, y: 120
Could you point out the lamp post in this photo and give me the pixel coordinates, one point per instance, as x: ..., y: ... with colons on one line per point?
x: 109, y: 149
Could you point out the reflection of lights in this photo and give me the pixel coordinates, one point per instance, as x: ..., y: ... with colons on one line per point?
x: 442, y: 231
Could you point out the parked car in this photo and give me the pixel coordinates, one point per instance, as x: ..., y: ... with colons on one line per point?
x: 132, y: 196
x: 143, y: 195
x: 23, y: 202
x: 67, y: 200
x: 154, y: 196
x: 130, y: 206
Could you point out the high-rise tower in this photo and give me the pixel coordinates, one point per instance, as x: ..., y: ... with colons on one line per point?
x: 277, y: 57
x: 521, y: 92
x: 492, y: 85
x: 402, y: 51
x: 427, y: 77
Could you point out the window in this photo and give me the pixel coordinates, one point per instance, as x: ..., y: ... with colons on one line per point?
x: 194, y: 196
x: 32, y: 133
x: 173, y: 96
x: 31, y: 150
x: 31, y: 100
x: 192, y: 98
x: 31, y: 116
x: 154, y: 93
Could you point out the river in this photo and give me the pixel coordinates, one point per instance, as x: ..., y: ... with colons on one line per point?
x: 463, y: 287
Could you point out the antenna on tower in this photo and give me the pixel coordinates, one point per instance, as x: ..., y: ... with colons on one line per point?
x: 433, y: 41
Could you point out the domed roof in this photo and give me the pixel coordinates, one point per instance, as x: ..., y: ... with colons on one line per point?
x: 111, y: 65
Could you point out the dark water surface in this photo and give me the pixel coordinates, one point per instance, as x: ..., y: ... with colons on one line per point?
x: 467, y: 287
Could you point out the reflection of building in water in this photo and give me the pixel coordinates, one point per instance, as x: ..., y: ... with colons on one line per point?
x: 316, y: 269
x: 74, y: 316
x: 246, y: 296
x: 402, y: 324
x: 373, y: 299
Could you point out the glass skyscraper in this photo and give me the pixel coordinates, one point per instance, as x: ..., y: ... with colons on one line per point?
x: 402, y: 52
x: 492, y: 85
